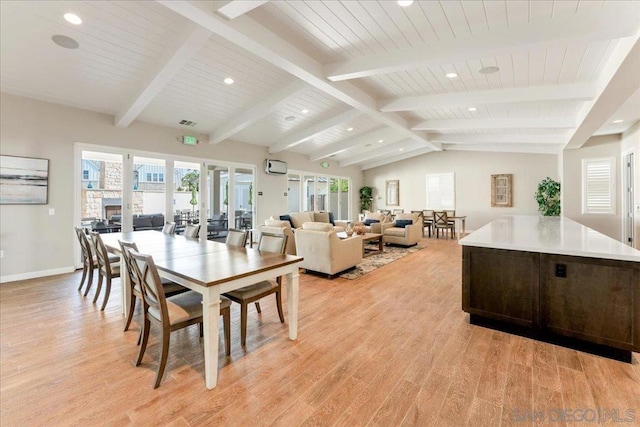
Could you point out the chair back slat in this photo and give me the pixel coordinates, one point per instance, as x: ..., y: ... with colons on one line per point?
x: 270, y: 242
x: 440, y: 217
x: 237, y: 238
x: 152, y: 289
x: 126, y: 248
x: 101, y: 251
x: 87, y: 253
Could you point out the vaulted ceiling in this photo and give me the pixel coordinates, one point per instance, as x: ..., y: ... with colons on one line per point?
x: 353, y: 82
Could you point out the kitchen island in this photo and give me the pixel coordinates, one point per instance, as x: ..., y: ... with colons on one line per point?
x: 554, y: 279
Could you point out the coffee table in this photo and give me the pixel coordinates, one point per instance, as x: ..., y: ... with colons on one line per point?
x: 367, y: 237
x: 371, y: 237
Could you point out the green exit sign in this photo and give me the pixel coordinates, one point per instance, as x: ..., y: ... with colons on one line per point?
x: 189, y: 140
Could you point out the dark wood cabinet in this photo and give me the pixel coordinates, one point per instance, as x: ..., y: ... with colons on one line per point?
x: 596, y: 300
x: 502, y: 285
x: 591, y: 299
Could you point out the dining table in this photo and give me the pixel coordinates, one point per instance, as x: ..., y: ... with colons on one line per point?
x: 210, y: 268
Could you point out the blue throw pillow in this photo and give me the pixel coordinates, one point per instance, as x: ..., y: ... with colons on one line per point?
x: 402, y: 223
x: 331, y: 220
x: 368, y: 222
x: 287, y: 218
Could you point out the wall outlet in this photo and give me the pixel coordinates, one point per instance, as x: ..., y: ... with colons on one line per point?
x: 638, y: 208
x: 52, y: 211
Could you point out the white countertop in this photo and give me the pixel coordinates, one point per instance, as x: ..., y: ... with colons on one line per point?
x: 551, y: 235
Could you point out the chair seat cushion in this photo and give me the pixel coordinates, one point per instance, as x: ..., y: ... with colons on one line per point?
x: 115, y: 270
x: 394, y: 231
x: 224, y: 302
x: 181, y: 307
x: 249, y: 292
x: 114, y: 258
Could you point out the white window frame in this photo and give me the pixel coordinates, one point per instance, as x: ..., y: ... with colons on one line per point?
x: 435, y: 201
x: 609, y: 162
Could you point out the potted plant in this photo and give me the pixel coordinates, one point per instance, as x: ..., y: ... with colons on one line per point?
x: 366, y: 198
x: 548, y: 197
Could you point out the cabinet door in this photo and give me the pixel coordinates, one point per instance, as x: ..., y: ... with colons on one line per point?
x: 597, y: 300
x: 501, y: 285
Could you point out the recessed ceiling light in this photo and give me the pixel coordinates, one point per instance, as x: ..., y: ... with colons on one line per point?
x: 401, y: 149
x: 380, y: 141
x: 290, y: 118
x: 489, y: 70
x: 64, y: 41
x: 73, y: 18
x: 471, y: 108
x: 405, y: 3
x: 349, y: 129
x: 618, y: 121
x: 305, y: 111
x: 228, y: 81
x: 451, y: 75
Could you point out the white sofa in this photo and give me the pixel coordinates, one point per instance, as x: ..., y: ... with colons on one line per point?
x: 299, y: 218
x: 408, y: 235
x: 324, y: 252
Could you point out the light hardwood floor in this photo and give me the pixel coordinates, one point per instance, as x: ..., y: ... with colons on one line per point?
x: 391, y: 348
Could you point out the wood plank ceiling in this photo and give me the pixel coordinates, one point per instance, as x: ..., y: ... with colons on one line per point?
x: 363, y: 82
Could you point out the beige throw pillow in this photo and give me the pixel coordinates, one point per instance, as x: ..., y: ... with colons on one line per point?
x: 317, y: 226
x: 321, y: 216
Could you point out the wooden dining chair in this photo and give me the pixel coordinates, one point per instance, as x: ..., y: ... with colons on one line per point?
x: 441, y: 222
x: 107, y: 269
x: 135, y: 288
x: 397, y: 211
x: 427, y: 220
x: 169, y: 228
x: 191, y: 231
x: 236, y: 237
x: 88, y: 262
x: 268, y: 242
x: 170, y: 313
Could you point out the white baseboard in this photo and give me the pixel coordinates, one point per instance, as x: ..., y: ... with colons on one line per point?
x: 36, y: 274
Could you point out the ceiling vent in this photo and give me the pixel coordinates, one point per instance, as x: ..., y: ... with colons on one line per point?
x: 187, y: 123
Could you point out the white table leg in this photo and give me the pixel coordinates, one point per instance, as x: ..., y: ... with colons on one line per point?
x: 210, y: 316
x: 292, y: 302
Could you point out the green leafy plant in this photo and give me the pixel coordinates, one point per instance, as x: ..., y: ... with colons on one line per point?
x: 548, y: 197
x: 366, y: 198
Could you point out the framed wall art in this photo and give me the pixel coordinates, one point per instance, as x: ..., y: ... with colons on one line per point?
x: 393, y: 192
x: 501, y: 192
x: 23, y: 180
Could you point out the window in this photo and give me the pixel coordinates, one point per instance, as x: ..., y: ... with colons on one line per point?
x: 441, y: 193
x: 85, y: 175
x: 161, y: 177
x: 148, y: 176
x: 598, y: 186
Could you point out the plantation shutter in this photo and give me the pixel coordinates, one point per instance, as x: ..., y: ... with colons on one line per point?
x: 598, y: 183
x: 441, y: 191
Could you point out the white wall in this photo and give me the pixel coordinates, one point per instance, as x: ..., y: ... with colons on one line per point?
x: 36, y: 243
x: 473, y: 172
x: 630, y: 142
x: 595, y: 147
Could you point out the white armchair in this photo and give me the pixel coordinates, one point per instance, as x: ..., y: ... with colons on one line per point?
x: 323, y: 251
x: 408, y: 235
x: 384, y: 221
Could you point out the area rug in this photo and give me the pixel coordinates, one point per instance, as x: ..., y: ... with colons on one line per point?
x: 368, y: 264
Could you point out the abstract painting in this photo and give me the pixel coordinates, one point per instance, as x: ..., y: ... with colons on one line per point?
x: 23, y: 180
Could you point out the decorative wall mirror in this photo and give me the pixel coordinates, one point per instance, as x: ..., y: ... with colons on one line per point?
x: 393, y: 192
x: 501, y: 194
